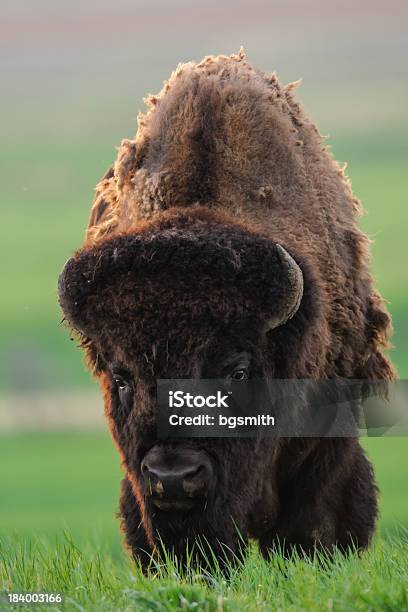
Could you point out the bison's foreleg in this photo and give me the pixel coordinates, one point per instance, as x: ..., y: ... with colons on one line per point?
x: 330, y: 503
x: 359, y: 509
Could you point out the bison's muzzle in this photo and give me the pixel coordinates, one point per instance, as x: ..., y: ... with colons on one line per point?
x: 177, y: 479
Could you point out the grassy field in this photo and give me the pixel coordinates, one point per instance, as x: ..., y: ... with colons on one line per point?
x: 74, y: 76
x: 51, y: 482
x: 74, y: 79
x: 88, y: 579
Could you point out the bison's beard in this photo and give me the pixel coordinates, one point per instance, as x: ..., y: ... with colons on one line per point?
x: 211, y: 535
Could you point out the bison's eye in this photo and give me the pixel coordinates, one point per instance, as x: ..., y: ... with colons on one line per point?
x: 240, y: 374
x: 236, y: 367
x: 124, y: 388
x: 120, y: 383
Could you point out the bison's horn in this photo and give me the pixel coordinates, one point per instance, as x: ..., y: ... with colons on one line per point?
x: 294, y: 293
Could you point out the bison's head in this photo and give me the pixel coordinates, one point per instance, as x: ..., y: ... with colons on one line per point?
x: 190, y: 295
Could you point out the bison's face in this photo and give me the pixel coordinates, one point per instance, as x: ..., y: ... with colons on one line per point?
x: 182, y: 476
x: 187, y: 487
x: 189, y: 297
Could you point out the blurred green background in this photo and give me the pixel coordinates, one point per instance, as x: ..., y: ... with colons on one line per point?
x: 73, y: 81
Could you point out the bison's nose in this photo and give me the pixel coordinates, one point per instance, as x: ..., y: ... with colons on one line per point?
x: 176, y: 479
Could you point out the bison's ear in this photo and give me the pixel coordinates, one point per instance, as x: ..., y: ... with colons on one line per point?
x: 294, y: 294
x: 70, y: 294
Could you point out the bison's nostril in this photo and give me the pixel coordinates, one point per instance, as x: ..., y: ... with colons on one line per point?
x: 158, y: 487
x: 196, y: 481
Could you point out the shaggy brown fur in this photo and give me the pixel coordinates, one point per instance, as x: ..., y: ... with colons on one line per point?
x: 179, y: 267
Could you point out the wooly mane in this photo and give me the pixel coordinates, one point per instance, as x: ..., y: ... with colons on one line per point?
x: 229, y: 137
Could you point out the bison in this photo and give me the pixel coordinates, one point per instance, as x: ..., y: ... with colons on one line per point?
x: 223, y: 243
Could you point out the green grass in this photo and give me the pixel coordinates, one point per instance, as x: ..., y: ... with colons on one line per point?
x: 51, y: 482
x: 54, y: 480
x: 88, y: 579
